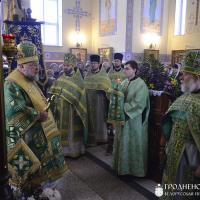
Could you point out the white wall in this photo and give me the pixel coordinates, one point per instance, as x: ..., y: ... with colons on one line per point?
x: 186, y: 41
x: 138, y: 43
x: 90, y: 27
x: 69, y: 27
x: 118, y: 40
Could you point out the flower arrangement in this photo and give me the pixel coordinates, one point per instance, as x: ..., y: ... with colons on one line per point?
x: 157, y: 78
x: 36, y: 193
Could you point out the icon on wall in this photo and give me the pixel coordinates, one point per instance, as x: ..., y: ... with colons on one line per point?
x: 106, y: 54
x: 80, y: 53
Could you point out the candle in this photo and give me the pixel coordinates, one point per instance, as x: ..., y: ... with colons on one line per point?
x: 8, y: 36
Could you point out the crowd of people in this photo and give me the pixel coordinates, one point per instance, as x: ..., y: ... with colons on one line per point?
x: 91, y: 105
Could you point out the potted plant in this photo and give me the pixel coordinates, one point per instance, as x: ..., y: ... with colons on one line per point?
x: 164, y: 88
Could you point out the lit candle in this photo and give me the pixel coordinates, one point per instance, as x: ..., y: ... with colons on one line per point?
x: 118, y: 80
x: 8, y: 36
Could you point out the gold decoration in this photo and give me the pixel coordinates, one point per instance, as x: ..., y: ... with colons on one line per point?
x: 16, y: 177
x: 9, y: 48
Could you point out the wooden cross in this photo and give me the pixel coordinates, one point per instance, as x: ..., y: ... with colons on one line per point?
x: 78, y: 13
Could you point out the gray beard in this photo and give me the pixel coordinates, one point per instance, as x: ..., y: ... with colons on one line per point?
x: 35, y: 78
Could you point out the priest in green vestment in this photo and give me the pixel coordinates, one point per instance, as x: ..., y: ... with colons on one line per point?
x: 181, y: 126
x: 97, y: 84
x: 70, y: 110
x: 116, y: 75
x: 33, y: 140
x: 116, y: 72
x: 131, y: 139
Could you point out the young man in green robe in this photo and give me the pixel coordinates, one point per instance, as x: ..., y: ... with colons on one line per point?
x: 33, y: 140
x: 181, y: 126
x: 70, y: 109
x: 131, y: 139
x: 97, y: 84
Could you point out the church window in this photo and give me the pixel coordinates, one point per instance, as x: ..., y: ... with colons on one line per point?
x: 49, y: 11
x: 180, y: 15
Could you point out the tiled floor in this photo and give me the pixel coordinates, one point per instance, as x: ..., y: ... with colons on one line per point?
x: 88, y: 180
x: 91, y: 177
x: 100, y: 153
x: 73, y: 188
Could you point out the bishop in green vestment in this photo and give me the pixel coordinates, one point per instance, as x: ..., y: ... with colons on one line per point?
x: 181, y: 126
x: 97, y: 84
x: 131, y: 139
x: 70, y: 109
x: 33, y: 140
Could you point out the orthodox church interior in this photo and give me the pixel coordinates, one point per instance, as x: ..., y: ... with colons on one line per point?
x: 139, y: 30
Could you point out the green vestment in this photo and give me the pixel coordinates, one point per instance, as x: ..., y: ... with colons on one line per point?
x: 181, y: 126
x: 34, y: 148
x: 116, y: 76
x: 97, y: 85
x: 115, y: 112
x: 131, y: 140
x: 116, y: 106
x: 70, y: 113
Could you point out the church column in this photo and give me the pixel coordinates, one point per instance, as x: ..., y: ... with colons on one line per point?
x: 5, y: 190
x: 129, y: 30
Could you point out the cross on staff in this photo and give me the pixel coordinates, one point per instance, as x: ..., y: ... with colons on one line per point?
x: 78, y: 13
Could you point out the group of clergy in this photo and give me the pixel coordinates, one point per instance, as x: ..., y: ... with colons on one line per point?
x: 108, y: 103
x: 85, y: 112
x: 79, y: 113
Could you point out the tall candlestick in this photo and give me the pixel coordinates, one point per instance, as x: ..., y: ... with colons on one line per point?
x: 9, y: 48
x: 5, y: 190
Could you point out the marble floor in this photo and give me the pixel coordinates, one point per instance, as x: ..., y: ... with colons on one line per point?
x: 90, y: 177
x: 99, y: 153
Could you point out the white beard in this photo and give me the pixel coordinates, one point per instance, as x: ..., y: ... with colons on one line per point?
x: 191, y: 86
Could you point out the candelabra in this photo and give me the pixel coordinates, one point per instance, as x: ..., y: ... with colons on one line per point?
x: 5, y: 190
x: 9, y: 48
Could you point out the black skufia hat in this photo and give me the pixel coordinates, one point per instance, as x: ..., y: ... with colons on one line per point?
x: 118, y: 56
x: 95, y: 58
